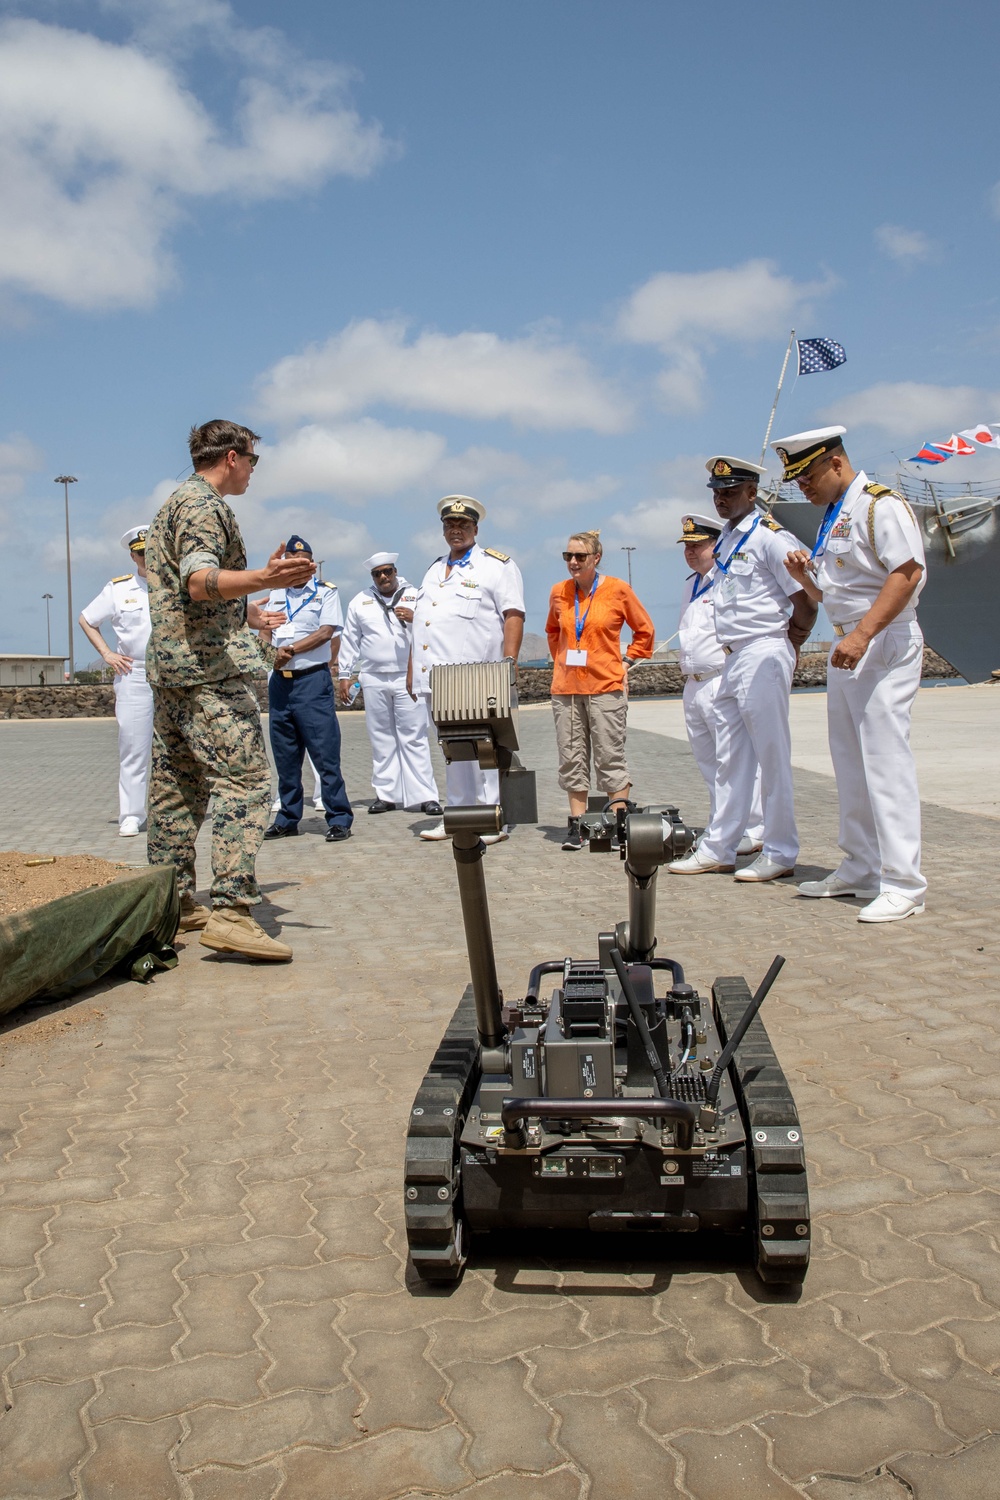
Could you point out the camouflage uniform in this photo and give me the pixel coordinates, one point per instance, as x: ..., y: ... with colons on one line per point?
x: 207, y: 738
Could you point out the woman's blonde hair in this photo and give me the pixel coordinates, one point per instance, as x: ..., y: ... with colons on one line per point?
x: 592, y: 540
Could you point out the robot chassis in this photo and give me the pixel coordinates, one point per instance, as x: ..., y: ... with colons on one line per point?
x: 604, y: 1106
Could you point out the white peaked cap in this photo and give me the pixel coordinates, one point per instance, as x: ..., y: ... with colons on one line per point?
x: 380, y: 560
x: 134, y: 534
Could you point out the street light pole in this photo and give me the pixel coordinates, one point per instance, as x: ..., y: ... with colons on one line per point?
x: 66, y: 480
x: 48, y: 626
x: 629, y: 551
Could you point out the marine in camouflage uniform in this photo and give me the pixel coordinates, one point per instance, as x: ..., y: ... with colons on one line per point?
x: 207, y: 737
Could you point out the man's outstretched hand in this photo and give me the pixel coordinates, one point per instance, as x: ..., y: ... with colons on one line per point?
x: 288, y: 572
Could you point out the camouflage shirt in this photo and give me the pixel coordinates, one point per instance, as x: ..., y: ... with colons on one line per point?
x: 192, y: 642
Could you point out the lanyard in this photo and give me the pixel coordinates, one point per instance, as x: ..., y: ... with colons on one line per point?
x: 723, y: 567
x: 290, y: 612
x: 697, y: 592
x: 576, y: 606
x: 829, y: 516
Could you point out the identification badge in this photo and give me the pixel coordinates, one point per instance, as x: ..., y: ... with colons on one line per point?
x: 285, y: 632
x: 576, y: 658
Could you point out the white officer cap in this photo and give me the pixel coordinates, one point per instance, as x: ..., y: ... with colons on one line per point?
x: 463, y: 506
x: 798, y: 451
x: 134, y: 539
x: 697, y: 528
x: 725, y: 472
x: 380, y: 560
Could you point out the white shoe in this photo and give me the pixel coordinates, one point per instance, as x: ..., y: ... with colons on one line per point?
x: 496, y: 838
x: 833, y: 886
x: 435, y: 833
x: 317, y: 804
x: 764, y: 869
x: 698, y: 863
x: 747, y: 845
x: 276, y: 805
x: 129, y: 828
x: 890, y: 906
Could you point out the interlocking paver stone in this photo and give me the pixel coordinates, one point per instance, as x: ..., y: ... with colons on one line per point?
x: 218, y: 1185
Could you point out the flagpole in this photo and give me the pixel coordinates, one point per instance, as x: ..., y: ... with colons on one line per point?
x: 781, y: 381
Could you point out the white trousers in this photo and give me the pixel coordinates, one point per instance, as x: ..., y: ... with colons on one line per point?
x: 134, y: 712
x: 868, y: 715
x: 752, y: 707
x: 703, y: 727
x: 467, y: 784
x: 401, y: 752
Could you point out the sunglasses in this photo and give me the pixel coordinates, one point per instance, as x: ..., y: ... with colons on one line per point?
x: 383, y: 572
x: 577, y: 556
x: 250, y: 457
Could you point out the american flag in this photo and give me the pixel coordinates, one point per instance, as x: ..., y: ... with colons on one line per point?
x: 819, y: 354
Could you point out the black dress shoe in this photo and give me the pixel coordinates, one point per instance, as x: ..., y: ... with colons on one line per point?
x: 380, y: 806
x: 432, y: 809
x: 276, y: 831
x: 337, y: 834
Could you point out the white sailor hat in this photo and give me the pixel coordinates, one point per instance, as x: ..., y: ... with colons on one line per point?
x: 725, y: 472
x: 381, y: 560
x: 697, y: 528
x: 134, y: 539
x: 462, y: 506
x: 798, y: 451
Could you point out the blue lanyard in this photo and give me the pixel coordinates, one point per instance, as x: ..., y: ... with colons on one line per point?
x: 697, y: 592
x: 829, y: 516
x: 463, y: 561
x: 290, y: 612
x: 576, y: 606
x: 724, y: 567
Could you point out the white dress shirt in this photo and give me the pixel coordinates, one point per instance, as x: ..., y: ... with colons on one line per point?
x: 375, y: 640
x: 851, y: 571
x: 754, y: 588
x: 306, y: 610
x: 125, y: 602
x: 698, y: 644
x: 460, y: 618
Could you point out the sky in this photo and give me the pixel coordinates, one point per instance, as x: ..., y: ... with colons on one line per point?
x: 547, y: 253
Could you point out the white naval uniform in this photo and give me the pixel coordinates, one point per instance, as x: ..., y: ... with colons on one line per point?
x: 125, y: 602
x: 868, y: 709
x: 701, y: 662
x: 377, y: 642
x: 752, y: 608
x: 460, y: 619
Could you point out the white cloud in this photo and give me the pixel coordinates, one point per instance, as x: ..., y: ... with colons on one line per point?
x: 653, y: 524
x: 19, y: 457
x: 101, y: 145
x: 354, y: 461
x: 908, y: 409
x: 687, y: 313
x: 905, y: 245
x: 532, y: 381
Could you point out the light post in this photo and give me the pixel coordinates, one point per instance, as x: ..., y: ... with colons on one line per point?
x: 66, y: 480
x: 48, y: 626
x: 629, y: 551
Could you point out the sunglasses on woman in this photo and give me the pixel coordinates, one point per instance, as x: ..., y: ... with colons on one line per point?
x: 577, y: 556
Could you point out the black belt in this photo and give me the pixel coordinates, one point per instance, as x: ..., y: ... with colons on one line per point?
x: 321, y: 666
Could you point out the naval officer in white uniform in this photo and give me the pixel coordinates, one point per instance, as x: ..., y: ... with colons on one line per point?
x: 375, y: 643
x: 762, y: 617
x: 470, y: 608
x: 125, y: 602
x: 868, y: 568
x: 701, y: 662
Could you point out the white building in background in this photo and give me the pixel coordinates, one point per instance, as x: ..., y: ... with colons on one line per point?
x: 32, y: 671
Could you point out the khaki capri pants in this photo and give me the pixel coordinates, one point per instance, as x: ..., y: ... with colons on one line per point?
x: 591, y: 725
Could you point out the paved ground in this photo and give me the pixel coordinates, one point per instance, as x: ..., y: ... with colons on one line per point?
x: 202, y: 1272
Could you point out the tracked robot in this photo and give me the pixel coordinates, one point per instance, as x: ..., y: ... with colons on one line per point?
x: 621, y: 1099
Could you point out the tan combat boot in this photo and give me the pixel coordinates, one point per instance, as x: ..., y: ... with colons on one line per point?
x: 193, y: 916
x: 231, y: 929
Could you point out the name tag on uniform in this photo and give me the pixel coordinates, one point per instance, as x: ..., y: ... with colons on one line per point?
x: 576, y: 658
x: 285, y: 632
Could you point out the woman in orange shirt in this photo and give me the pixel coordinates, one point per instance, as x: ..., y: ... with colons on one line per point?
x: 587, y: 614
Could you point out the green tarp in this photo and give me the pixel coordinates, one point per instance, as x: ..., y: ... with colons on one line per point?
x: 57, y: 948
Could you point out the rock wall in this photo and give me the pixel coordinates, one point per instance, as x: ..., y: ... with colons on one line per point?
x: 97, y: 701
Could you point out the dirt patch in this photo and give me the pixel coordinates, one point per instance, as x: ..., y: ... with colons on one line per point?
x: 24, y: 885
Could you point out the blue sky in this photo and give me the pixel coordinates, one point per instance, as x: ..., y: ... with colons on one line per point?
x: 545, y: 252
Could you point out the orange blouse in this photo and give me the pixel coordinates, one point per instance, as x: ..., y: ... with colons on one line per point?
x: 612, y: 607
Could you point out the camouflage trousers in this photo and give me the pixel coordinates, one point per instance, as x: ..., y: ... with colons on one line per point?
x: 208, y: 742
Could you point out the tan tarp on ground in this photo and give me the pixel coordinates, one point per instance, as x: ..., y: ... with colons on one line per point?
x: 57, y: 948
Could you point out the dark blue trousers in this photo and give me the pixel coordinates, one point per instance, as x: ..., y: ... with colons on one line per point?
x: 303, y: 716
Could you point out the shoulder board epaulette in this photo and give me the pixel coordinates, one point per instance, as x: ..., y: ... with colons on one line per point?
x: 771, y: 523
x: 123, y: 578
x: 878, y: 489
x: 325, y: 585
x: 500, y: 556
